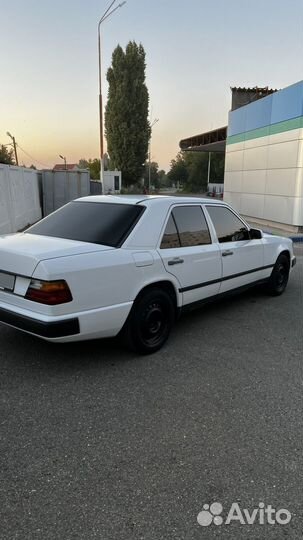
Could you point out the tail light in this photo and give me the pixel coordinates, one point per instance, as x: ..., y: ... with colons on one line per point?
x: 48, y: 292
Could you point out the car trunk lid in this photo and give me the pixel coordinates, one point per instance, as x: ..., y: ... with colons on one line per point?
x: 20, y: 253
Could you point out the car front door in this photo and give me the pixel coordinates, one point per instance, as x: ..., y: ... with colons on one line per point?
x: 242, y: 257
x: 187, y: 252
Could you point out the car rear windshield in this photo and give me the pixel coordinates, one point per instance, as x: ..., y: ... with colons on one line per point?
x: 98, y: 223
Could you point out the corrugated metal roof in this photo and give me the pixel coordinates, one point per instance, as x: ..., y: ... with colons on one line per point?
x: 68, y: 167
x: 209, y: 141
x: 264, y: 89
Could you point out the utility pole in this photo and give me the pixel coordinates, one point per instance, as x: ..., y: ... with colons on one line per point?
x: 149, y: 152
x: 14, y: 145
x: 105, y: 16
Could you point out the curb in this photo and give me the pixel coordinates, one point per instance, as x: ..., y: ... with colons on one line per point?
x: 295, y: 239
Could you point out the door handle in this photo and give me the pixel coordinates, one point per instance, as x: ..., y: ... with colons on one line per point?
x: 177, y: 260
x: 227, y: 253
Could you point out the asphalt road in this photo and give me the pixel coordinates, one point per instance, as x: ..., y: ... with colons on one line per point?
x: 99, y: 443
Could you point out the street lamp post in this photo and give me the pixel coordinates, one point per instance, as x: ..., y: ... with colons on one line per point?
x: 149, y: 152
x: 105, y: 15
x: 64, y: 159
x: 208, y: 169
x: 14, y: 145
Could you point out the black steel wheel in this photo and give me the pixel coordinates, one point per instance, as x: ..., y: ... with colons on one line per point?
x: 150, y: 321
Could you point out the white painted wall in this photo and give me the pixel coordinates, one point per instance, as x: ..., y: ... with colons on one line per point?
x: 19, y: 198
x: 109, y: 182
x: 264, y: 177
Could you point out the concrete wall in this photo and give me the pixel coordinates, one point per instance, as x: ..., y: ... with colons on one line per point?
x: 19, y: 198
x: 264, y: 158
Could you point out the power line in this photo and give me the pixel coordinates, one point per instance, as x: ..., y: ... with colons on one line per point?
x: 31, y: 157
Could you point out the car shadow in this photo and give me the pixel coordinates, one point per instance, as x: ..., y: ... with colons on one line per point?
x: 31, y: 352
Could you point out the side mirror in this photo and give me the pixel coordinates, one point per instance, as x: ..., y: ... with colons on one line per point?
x: 255, y: 234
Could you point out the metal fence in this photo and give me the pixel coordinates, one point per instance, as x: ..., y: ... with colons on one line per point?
x: 95, y: 188
x: 20, y: 203
x: 60, y: 187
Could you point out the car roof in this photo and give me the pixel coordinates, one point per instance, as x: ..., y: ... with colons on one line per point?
x: 147, y: 199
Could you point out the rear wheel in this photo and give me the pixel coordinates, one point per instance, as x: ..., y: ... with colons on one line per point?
x: 279, y: 276
x: 150, y: 321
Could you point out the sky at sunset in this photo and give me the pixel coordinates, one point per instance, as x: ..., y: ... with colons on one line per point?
x: 195, y: 51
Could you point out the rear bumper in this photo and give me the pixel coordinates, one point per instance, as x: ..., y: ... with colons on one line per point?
x: 92, y: 324
x: 46, y: 329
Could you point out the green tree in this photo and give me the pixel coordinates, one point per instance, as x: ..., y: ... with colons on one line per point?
x: 162, y: 178
x: 127, y: 127
x: 6, y: 156
x: 93, y: 165
x: 217, y: 165
x: 191, y: 170
x: 197, y: 166
x: 178, y: 173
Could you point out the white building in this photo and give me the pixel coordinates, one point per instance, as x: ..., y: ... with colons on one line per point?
x: 264, y: 159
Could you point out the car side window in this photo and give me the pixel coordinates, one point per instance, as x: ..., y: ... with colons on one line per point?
x: 186, y: 227
x: 191, y: 226
x: 229, y: 227
x: 170, y: 237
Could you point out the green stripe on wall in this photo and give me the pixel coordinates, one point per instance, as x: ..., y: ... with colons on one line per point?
x: 273, y: 129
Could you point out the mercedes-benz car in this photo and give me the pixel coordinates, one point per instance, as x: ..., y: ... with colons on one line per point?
x: 107, y: 265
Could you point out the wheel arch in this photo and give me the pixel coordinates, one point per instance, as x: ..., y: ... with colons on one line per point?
x: 166, y: 285
x: 285, y: 252
x: 127, y: 331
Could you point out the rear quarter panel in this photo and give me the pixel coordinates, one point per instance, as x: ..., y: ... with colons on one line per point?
x: 102, y: 279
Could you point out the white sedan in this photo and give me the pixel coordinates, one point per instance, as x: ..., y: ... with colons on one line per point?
x: 107, y: 265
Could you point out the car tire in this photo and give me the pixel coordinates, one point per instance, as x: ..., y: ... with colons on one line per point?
x: 150, y: 321
x: 279, y: 276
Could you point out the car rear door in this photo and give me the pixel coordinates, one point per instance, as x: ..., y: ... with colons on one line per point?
x: 188, y: 252
x: 242, y: 257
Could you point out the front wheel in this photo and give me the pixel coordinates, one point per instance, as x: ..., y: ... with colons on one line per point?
x: 150, y: 321
x: 279, y: 276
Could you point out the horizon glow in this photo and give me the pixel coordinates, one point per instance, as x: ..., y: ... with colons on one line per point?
x: 194, y: 53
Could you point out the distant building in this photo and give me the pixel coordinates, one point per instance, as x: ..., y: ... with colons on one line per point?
x: 215, y: 140
x: 67, y: 167
x: 263, y: 145
x: 264, y: 159
x: 243, y: 96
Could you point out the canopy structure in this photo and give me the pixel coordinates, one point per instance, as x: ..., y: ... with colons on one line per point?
x: 210, y: 141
